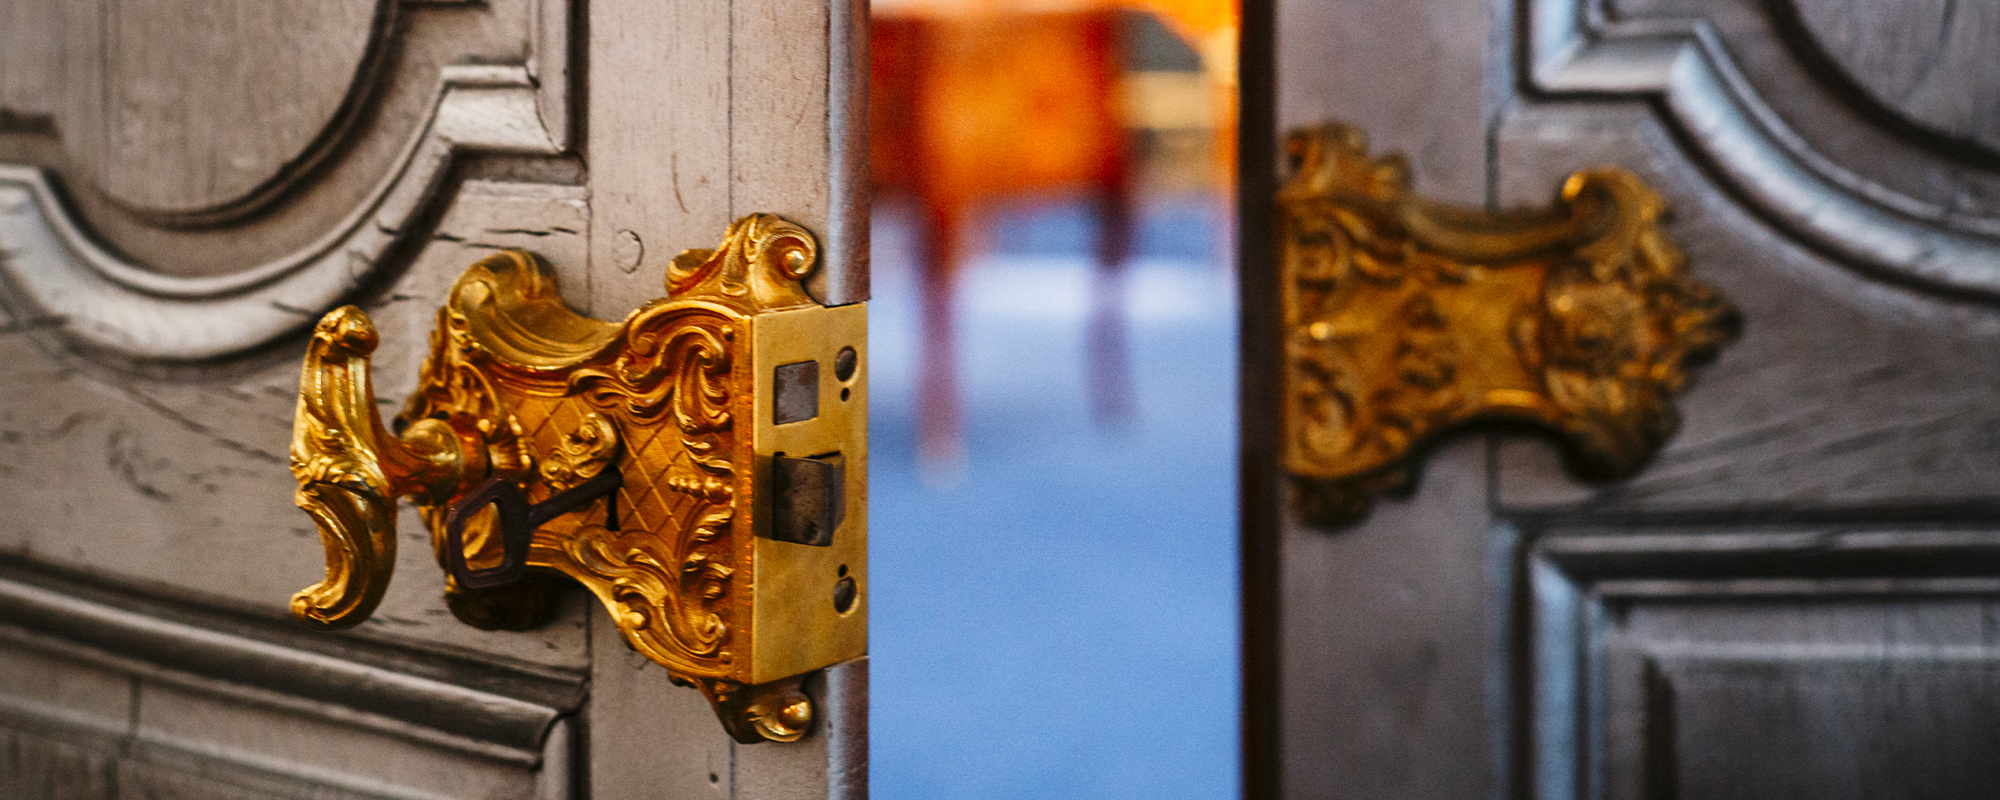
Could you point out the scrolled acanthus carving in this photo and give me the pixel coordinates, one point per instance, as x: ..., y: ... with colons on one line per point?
x: 540, y: 441
x: 1405, y: 319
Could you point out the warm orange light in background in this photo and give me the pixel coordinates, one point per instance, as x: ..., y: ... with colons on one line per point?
x: 978, y: 101
x: 1195, y: 19
x: 1053, y: 349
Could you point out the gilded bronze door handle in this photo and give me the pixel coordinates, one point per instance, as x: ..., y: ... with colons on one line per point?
x: 700, y: 466
x: 1406, y: 319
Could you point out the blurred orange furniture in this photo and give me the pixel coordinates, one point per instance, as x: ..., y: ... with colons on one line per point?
x: 976, y: 100
x: 966, y: 109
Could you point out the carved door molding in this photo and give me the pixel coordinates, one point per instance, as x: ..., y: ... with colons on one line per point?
x: 1875, y: 176
x: 69, y: 232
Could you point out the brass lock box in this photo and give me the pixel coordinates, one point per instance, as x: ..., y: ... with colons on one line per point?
x: 701, y: 466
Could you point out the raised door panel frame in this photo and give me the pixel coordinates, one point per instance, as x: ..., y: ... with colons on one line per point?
x: 1833, y: 465
x: 113, y: 689
x: 1584, y: 50
x: 1638, y: 639
x: 59, y: 274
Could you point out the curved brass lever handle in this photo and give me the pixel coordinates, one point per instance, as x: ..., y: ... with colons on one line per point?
x: 351, y: 470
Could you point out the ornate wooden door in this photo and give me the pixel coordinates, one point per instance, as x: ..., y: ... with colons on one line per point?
x: 1796, y: 595
x: 185, y: 187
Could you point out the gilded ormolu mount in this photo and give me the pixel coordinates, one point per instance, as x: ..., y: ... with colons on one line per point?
x: 1406, y: 318
x: 634, y: 457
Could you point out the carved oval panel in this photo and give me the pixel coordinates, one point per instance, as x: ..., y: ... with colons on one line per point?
x: 1933, y: 63
x: 192, y: 111
x: 1866, y: 129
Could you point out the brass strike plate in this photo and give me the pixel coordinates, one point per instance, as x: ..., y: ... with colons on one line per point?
x: 700, y: 466
x: 1407, y: 319
x: 805, y: 587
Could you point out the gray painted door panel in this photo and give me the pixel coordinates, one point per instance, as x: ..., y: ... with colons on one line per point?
x: 184, y: 188
x: 1797, y: 598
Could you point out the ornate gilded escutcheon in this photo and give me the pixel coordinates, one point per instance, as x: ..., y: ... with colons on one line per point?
x: 701, y: 467
x: 1405, y: 319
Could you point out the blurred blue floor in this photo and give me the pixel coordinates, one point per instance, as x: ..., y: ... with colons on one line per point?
x: 1060, y: 621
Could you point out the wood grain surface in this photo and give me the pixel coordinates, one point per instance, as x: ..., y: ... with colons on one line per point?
x: 1796, y: 598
